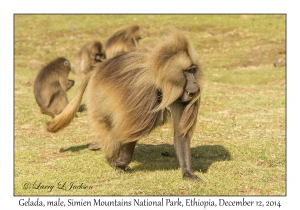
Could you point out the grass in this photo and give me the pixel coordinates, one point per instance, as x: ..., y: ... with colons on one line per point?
x: 239, y: 145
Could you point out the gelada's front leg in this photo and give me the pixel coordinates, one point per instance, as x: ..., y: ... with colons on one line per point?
x: 183, y: 151
x: 182, y: 144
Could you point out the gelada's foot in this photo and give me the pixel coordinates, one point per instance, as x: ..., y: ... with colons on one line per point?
x: 191, y: 176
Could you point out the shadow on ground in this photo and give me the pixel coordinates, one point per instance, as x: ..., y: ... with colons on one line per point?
x: 152, y: 157
x: 163, y: 157
x: 74, y: 148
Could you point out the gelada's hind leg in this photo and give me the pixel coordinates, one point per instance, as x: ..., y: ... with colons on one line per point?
x: 125, y: 156
x: 58, y: 103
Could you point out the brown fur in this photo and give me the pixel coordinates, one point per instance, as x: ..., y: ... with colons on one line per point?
x: 125, y: 39
x: 91, y: 53
x: 67, y: 115
x: 129, y: 95
x: 50, y: 87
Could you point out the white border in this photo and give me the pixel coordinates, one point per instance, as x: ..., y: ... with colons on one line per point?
x: 154, y: 6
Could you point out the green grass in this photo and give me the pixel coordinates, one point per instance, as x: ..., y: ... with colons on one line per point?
x: 239, y: 145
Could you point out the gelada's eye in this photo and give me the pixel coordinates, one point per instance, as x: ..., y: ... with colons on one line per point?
x: 190, y: 94
x: 191, y: 69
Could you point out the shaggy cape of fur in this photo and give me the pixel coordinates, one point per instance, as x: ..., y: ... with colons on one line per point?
x: 127, y: 94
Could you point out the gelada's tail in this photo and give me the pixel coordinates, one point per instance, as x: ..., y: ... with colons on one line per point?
x: 66, y: 116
